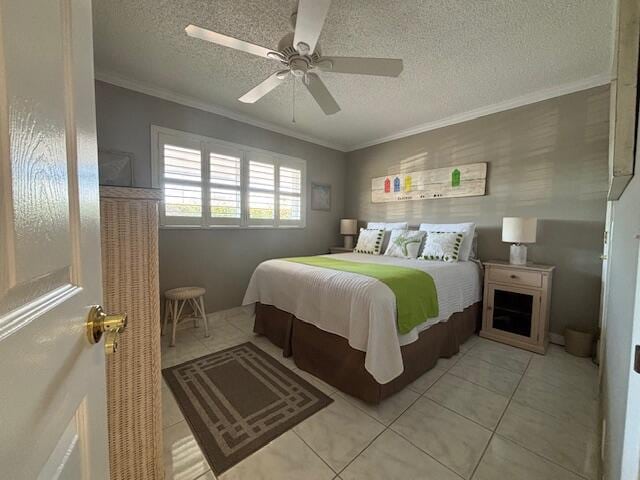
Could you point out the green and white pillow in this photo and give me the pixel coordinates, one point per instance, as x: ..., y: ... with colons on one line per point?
x: 370, y: 241
x: 405, y: 243
x: 443, y: 246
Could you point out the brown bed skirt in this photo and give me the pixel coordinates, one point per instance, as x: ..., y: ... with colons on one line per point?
x: 330, y: 358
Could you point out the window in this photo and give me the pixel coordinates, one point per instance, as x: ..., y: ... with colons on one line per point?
x: 208, y: 183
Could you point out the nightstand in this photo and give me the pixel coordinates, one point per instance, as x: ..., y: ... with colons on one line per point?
x: 340, y: 250
x: 517, y: 302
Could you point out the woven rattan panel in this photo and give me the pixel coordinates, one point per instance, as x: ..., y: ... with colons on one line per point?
x: 129, y: 219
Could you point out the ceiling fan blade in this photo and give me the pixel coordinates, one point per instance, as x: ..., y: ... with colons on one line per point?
x: 226, y: 41
x: 319, y: 91
x: 309, y: 21
x: 385, y: 67
x: 260, y: 90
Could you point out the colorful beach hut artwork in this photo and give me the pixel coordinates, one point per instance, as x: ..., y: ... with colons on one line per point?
x: 455, y: 178
x: 447, y: 182
x: 407, y: 183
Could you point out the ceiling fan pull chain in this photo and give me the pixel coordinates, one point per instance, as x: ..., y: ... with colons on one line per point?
x: 293, y: 103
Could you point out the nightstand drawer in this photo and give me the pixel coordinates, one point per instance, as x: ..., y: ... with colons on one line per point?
x: 520, y: 277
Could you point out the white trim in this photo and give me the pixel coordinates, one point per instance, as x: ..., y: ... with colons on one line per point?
x: 205, y: 144
x: 521, y: 101
x: 165, y: 94
x: 534, y: 97
x: 556, y: 338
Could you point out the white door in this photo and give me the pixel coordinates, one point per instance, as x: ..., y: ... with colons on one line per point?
x: 631, y: 441
x: 52, y: 382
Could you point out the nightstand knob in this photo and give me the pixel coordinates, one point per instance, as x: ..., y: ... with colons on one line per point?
x: 513, y: 276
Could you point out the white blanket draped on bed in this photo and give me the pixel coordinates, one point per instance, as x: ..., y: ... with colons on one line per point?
x: 360, y: 308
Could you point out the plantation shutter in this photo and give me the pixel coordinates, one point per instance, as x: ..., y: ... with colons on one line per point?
x: 225, y: 178
x: 290, y: 194
x: 182, y: 174
x: 261, y: 191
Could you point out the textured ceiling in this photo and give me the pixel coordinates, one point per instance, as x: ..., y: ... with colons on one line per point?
x: 459, y: 56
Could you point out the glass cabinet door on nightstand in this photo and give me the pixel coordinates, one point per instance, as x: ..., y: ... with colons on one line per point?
x: 514, y: 312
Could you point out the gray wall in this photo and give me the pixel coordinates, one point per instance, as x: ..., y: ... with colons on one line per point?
x: 547, y: 160
x: 220, y: 260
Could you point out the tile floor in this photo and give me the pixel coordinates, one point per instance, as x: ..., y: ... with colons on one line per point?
x: 490, y: 412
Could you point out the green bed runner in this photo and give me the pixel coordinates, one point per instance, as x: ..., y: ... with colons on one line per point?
x: 415, y: 290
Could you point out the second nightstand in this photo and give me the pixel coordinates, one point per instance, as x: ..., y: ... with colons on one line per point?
x: 340, y: 250
x: 517, y: 302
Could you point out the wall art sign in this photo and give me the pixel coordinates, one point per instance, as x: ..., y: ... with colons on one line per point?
x: 456, y: 181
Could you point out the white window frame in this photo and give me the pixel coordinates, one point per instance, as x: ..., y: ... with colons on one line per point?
x: 162, y: 135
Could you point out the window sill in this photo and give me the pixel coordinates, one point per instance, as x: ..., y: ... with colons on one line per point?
x: 232, y: 227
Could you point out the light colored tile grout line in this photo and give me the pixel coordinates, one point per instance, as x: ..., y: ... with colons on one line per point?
x: 388, y: 427
x: 311, y: 448
x: 493, y: 432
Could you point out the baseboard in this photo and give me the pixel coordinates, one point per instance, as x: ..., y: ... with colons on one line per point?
x: 556, y: 338
x: 234, y: 311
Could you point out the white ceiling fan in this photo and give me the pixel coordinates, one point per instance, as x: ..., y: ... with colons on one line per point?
x: 298, y: 52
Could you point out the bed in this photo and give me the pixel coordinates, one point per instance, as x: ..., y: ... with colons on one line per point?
x: 341, y: 326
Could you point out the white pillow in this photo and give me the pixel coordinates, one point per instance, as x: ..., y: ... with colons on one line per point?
x: 387, y: 227
x: 369, y: 241
x: 444, y: 246
x: 467, y: 229
x: 405, y: 243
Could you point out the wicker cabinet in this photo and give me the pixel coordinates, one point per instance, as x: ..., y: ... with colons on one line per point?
x: 517, y: 302
x: 129, y: 224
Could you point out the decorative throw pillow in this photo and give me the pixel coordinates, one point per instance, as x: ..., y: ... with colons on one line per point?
x: 388, y: 228
x: 467, y: 229
x: 405, y: 243
x: 444, y: 246
x: 369, y: 241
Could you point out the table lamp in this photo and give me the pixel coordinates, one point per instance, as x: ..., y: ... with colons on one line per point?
x: 348, y: 228
x: 519, y: 230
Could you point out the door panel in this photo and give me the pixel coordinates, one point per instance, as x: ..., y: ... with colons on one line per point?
x: 52, y: 400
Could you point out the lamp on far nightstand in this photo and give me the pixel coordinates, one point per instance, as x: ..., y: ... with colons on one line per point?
x: 348, y: 228
x: 519, y: 230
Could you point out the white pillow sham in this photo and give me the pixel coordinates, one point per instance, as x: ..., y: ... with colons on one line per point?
x: 370, y: 241
x: 443, y: 246
x: 387, y: 227
x: 467, y: 229
x: 405, y: 243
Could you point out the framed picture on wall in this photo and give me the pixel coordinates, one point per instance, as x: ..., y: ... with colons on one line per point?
x: 115, y: 168
x: 320, y: 197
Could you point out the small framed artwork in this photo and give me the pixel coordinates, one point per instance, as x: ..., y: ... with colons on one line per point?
x: 115, y: 168
x: 320, y: 197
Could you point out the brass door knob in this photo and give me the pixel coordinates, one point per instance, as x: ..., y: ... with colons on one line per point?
x: 111, y: 325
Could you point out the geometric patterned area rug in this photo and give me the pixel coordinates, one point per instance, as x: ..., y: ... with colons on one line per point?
x: 239, y: 399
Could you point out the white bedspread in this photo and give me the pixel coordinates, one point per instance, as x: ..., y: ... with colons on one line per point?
x: 360, y: 308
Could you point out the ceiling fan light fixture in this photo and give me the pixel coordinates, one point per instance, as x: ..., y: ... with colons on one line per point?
x: 303, y: 48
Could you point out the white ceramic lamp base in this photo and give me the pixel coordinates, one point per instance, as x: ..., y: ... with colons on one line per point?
x: 518, y: 254
x: 348, y: 241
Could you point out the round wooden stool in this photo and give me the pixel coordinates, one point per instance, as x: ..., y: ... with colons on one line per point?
x: 175, y: 300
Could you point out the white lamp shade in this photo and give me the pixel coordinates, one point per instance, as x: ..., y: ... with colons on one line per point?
x: 348, y: 226
x: 519, y: 229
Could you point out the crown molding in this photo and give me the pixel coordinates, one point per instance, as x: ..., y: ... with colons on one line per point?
x: 165, y: 94
x: 521, y: 101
